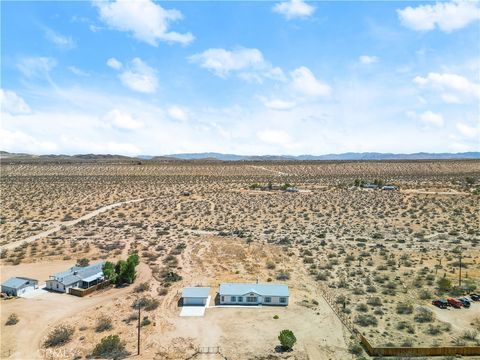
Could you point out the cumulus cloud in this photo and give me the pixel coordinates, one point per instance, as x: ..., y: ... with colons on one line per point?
x: 122, y: 120
x: 12, y: 103
x: 114, y: 63
x: 19, y: 141
x: 367, y: 60
x: 137, y: 76
x: 278, y: 137
x: 248, y: 64
x: 294, y: 9
x: 468, y: 131
x: 431, y: 118
x: 305, y: 83
x: 61, y: 41
x: 451, y: 82
x: 178, y: 113
x: 36, y: 66
x: 447, y: 16
x: 145, y: 20
x: 278, y: 104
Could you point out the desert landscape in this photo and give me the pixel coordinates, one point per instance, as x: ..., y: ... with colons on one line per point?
x: 380, y: 254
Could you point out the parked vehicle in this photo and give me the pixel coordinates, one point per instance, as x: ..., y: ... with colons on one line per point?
x: 475, y: 297
x: 464, y: 302
x: 442, y: 304
x: 455, y: 303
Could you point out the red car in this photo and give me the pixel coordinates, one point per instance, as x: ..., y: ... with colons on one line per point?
x: 455, y: 303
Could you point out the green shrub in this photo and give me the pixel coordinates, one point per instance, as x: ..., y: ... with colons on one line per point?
x: 110, y: 347
x: 12, y: 319
x: 103, y: 324
x: 404, y: 308
x: 59, y: 336
x: 366, y: 320
x: 287, y: 339
x: 424, y: 315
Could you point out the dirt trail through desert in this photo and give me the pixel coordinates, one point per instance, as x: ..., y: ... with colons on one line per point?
x: 68, y: 223
x: 270, y: 170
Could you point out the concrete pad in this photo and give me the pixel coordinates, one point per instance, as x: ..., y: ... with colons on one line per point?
x: 194, y: 310
x: 34, y: 293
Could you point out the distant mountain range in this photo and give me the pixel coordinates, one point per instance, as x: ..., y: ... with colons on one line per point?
x: 233, y: 157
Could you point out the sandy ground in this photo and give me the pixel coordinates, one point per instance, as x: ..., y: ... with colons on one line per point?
x: 23, y: 340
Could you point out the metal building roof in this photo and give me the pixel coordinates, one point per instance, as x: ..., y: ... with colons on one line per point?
x: 238, y: 289
x: 195, y: 292
x: 18, y: 282
x: 77, y: 273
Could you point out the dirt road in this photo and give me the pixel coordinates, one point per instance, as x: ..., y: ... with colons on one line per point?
x: 58, y: 227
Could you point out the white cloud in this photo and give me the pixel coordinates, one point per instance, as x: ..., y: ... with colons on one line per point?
x: 367, y: 60
x: 61, y: 41
x: 114, y: 63
x: 147, y: 21
x: 78, y: 71
x: 19, y: 141
x: 278, y: 137
x: 431, y: 118
x: 249, y: 64
x: 294, y: 9
x: 122, y: 120
x: 450, y: 99
x: 447, y: 16
x: 36, y: 66
x: 140, y: 77
x: 178, y: 113
x: 468, y: 131
x: 12, y: 103
x: 278, y: 104
x: 449, y: 82
x: 305, y: 82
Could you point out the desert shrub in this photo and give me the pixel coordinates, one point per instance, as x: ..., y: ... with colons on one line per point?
x: 404, y: 325
x: 362, y: 307
x: 12, y: 319
x: 142, y: 287
x: 374, y: 301
x: 444, y: 284
x: 103, y: 324
x: 404, y: 308
x: 275, y: 317
x: 145, y: 321
x: 355, y: 349
x: 423, y: 315
x: 366, y: 320
x: 110, y: 347
x: 146, y: 303
x: 287, y: 339
x: 470, y: 335
x: 434, y: 329
x: 283, y: 275
x: 425, y: 295
x: 59, y: 336
x: 270, y: 265
x: 83, y: 262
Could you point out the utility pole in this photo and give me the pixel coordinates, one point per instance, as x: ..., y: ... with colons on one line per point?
x: 138, y: 333
x: 460, y: 272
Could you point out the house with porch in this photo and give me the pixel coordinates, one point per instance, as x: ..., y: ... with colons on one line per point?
x: 253, y: 294
x: 82, y: 277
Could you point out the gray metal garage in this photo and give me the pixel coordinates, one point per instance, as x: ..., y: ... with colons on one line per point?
x: 18, y: 286
x: 196, y: 296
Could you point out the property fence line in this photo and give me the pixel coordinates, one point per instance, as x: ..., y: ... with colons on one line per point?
x: 396, y: 351
x: 207, y: 350
x: 85, y: 292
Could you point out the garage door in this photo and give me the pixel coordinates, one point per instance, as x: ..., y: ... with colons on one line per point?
x: 194, y: 301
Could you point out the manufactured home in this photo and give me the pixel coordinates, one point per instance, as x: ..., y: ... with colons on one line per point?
x: 253, y: 294
x: 81, y: 277
x: 17, y: 286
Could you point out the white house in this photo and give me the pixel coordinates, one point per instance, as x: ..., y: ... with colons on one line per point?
x: 17, y: 286
x: 253, y: 294
x: 76, y: 277
x: 195, y: 295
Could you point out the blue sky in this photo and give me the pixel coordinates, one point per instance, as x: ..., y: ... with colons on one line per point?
x: 293, y: 77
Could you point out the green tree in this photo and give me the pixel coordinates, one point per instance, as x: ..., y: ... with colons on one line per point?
x: 83, y: 262
x: 109, y: 272
x: 287, y: 339
x: 444, y: 284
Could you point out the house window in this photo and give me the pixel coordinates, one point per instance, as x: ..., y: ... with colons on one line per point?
x: 240, y: 299
x: 233, y: 299
x: 223, y: 298
x: 283, y: 300
x: 268, y: 299
x: 251, y: 299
